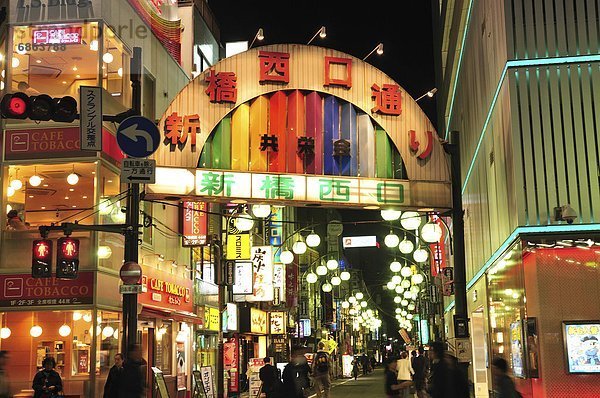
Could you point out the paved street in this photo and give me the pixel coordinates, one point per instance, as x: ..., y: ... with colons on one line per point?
x: 364, y: 387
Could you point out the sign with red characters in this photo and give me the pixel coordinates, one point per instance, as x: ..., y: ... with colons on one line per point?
x: 194, y: 223
x: 43, y: 143
x: 166, y: 291
x: 57, y: 35
x: 21, y: 290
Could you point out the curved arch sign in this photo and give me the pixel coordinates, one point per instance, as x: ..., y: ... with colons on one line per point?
x: 300, y: 125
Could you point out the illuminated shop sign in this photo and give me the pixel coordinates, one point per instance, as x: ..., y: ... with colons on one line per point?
x: 194, y: 223
x: 258, y: 321
x: 166, y: 291
x: 57, y: 35
x: 277, y: 322
x: 262, y: 267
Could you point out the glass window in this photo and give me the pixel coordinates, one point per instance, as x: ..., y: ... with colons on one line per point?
x: 115, y: 68
x: 107, y: 345
x: 110, y: 210
x: 164, y: 346
x: 54, y: 59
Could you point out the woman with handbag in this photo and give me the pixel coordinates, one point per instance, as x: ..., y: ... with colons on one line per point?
x: 47, y: 382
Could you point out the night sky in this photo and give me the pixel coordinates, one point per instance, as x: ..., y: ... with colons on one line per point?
x: 408, y: 59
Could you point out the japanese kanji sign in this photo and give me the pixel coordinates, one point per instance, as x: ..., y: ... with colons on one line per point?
x: 178, y: 128
x: 388, y: 99
x: 141, y: 171
x: 262, y: 265
x: 221, y: 87
x: 274, y: 67
x: 278, y: 325
x: 90, y: 126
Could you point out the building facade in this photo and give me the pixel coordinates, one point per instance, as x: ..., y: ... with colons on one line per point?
x: 519, y: 80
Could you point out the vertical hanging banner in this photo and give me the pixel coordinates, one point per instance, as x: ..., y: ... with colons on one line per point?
x: 275, y: 231
x: 230, y: 361
x: 262, y: 267
x: 438, y: 249
x: 291, y: 285
x: 194, y: 224
x: 90, y: 126
x: 238, y: 243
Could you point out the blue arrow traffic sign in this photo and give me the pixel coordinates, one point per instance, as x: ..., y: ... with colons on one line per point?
x: 138, y: 136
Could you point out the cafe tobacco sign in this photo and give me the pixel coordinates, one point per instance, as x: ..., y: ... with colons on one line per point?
x: 166, y: 291
x: 21, y: 290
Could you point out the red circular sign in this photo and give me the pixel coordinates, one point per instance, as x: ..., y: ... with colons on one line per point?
x: 130, y: 273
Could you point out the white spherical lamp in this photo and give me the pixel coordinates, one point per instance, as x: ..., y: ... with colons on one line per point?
x: 107, y: 58
x: 64, y: 330
x: 321, y: 270
x: 105, y: 207
x: 286, y: 257
x: 16, y: 184
x: 397, y: 299
x: 332, y: 264
x: 417, y: 279
x: 327, y: 287
x: 391, y: 285
x: 420, y: 255
x: 410, y: 220
x: 363, y: 304
x: 359, y: 295
x: 431, y: 232
x: 345, y: 275
x: 311, y: 277
x: 345, y: 304
x: 104, y: 252
x: 399, y: 289
x: 409, y: 316
x: 391, y: 240
x: 411, y: 307
x: 390, y: 215
x: 404, y: 302
x: 405, y: 284
x: 299, y: 247
x: 395, y: 266
x: 406, y: 271
x: 313, y: 240
x: 35, y: 331
x: 352, y: 299
x: 396, y: 279
x: 407, y: 294
x: 10, y: 191
x: 35, y: 180
x: 336, y: 281
x: 72, y: 179
x: 415, y: 289
x: 108, y: 331
x: 5, y: 333
x: 398, y: 310
x: 77, y: 315
x: 406, y: 246
x: 261, y: 211
x: 243, y: 222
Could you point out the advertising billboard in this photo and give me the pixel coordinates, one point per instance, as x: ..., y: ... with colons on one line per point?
x: 582, y: 346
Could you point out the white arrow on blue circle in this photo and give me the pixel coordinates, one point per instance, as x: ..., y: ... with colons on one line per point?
x: 133, y: 134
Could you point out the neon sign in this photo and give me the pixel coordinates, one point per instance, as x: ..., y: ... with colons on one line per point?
x: 70, y: 35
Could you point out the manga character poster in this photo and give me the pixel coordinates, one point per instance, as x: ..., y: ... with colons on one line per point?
x: 582, y: 346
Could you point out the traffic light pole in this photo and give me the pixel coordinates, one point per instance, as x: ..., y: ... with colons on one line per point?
x: 133, y: 210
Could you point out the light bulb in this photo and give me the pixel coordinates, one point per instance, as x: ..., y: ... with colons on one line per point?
x: 64, y: 330
x: 299, y: 247
x: 94, y: 45
x: 105, y: 207
x: 410, y: 220
x: 359, y: 295
x: 431, y: 232
x: 409, y: 316
x: 390, y: 215
x: 108, y: 331
x: 391, y: 240
x: 104, y: 252
x: 243, y: 222
x: 332, y: 264
x: 345, y: 275
x: 407, y: 294
x: 415, y: 289
x: 15, y: 62
x: 311, y: 277
x: 417, y: 279
x: 336, y: 281
x: 352, y: 299
x: 321, y: 270
x: 116, y: 334
x: 87, y: 317
x: 404, y: 312
x: 405, y: 284
x: 16, y: 184
x: 261, y: 211
x: 399, y: 289
x: 107, y: 58
x: 406, y: 272
x: 77, y: 315
x: 286, y: 257
x: 411, y: 307
x: 10, y: 191
x: 420, y: 255
x: 396, y: 279
x: 397, y: 299
x: 404, y: 303
x: 72, y: 179
x: 345, y: 304
x: 406, y: 246
x: 35, y: 180
x: 120, y: 72
x: 398, y: 310
x: 363, y: 304
x: 327, y: 287
x: 313, y: 240
x: 391, y: 285
x: 395, y: 266
x: 35, y: 331
x: 5, y: 333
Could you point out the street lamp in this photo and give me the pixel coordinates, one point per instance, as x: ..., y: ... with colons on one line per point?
x: 322, y: 33
x: 431, y: 232
x: 260, y: 35
x: 378, y: 49
x: 429, y: 94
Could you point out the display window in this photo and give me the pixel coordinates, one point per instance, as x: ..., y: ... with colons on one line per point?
x: 110, y: 206
x: 115, y: 68
x: 66, y: 336
x: 206, y: 349
x: 54, y: 59
x: 164, y: 347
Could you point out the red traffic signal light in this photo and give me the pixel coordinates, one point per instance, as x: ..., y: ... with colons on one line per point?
x: 39, y: 107
x: 41, y: 261
x: 67, y: 258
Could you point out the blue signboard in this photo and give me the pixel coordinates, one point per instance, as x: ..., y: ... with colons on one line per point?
x: 138, y: 136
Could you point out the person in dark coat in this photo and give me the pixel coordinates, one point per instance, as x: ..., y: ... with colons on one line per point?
x: 47, y: 382
x: 296, y: 375
x: 132, y: 383
x: 504, y: 387
x: 419, y: 365
x: 447, y: 380
x: 271, y: 384
x: 111, y: 388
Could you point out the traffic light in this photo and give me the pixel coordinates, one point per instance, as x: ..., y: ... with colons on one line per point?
x: 41, y: 262
x: 38, y: 107
x: 67, y: 258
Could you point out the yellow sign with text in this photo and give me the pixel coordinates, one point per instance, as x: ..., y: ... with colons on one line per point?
x: 238, y: 247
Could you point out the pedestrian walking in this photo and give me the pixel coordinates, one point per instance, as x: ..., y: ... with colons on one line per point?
x: 271, y: 384
x: 504, y: 387
x: 322, y: 371
x: 296, y: 375
x: 4, y: 383
x: 392, y: 386
x: 111, y: 387
x: 405, y: 372
x: 132, y: 383
x: 47, y: 382
x: 365, y: 363
x: 447, y: 380
x: 355, y: 368
x: 419, y: 365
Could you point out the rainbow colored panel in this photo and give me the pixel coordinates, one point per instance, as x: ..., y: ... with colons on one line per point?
x: 309, y: 133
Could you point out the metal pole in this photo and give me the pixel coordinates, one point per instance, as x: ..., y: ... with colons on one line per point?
x: 219, y: 264
x: 133, y: 211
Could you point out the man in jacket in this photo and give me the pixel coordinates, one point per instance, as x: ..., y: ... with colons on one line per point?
x: 133, y: 381
x: 111, y: 388
x: 447, y: 380
x: 271, y: 385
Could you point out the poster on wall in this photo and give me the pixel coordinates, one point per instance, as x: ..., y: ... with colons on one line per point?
x: 582, y: 346
x: 516, y: 349
x: 206, y: 373
x: 243, y: 278
x: 262, y: 267
x: 181, y: 366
